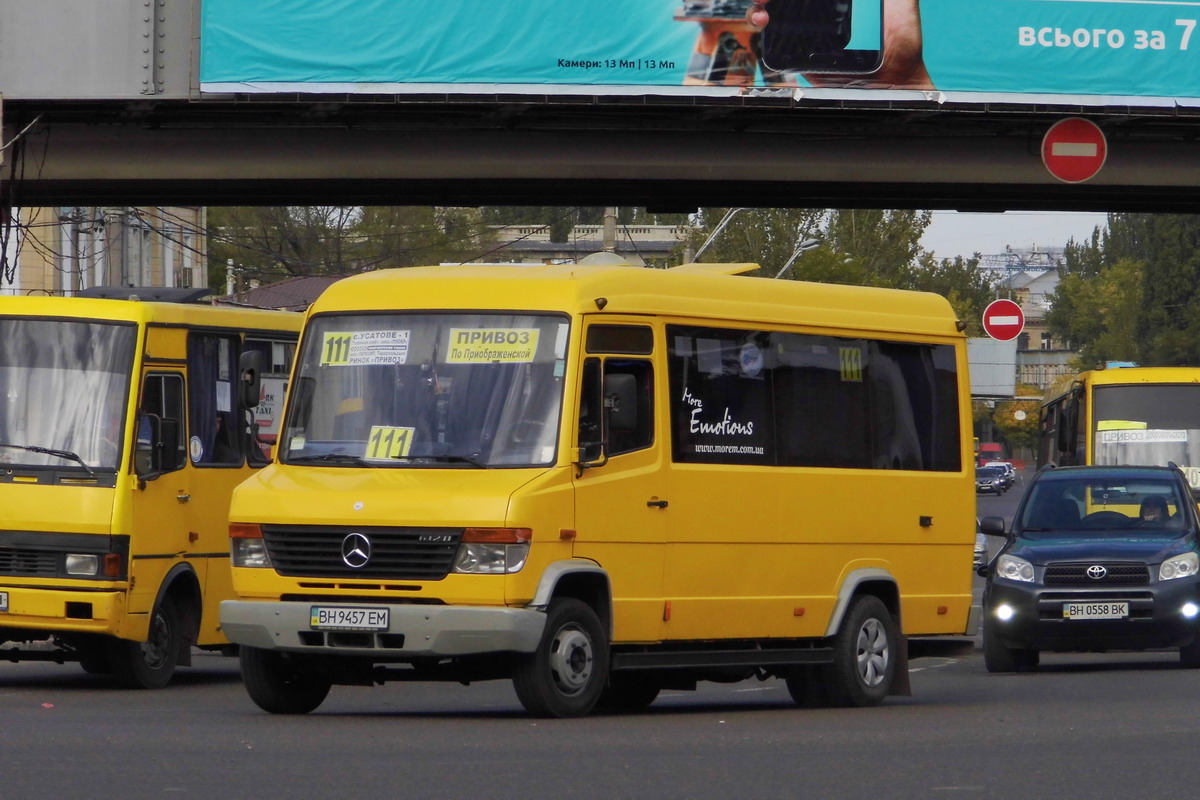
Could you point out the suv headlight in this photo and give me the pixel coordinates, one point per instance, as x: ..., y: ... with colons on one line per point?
x: 1183, y: 566
x: 1014, y: 569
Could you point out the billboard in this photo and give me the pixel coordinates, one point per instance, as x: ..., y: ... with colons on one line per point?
x: 1089, y: 52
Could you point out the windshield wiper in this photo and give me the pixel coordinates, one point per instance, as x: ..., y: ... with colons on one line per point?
x: 46, y: 451
x: 473, y: 460
x: 341, y: 458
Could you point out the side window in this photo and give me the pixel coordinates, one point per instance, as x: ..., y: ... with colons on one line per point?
x: 624, y: 408
x: 721, y: 403
x: 162, y: 397
x: 212, y: 410
x: 276, y: 360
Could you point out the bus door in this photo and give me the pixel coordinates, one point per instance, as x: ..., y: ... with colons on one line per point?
x: 158, y: 520
x: 621, y: 507
x: 218, y: 451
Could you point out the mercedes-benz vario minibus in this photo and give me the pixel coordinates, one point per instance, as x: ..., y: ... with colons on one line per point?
x: 605, y: 481
x: 124, y: 426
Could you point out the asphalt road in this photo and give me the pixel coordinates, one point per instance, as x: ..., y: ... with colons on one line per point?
x: 1083, y: 726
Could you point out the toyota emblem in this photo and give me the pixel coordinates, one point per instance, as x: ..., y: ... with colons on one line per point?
x: 356, y: 550
x: 1096, y: 572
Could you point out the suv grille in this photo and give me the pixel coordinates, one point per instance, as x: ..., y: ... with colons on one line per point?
x: 315, y: 551
x: 1120, y: 574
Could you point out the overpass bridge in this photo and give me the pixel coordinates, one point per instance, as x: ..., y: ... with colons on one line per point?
x: 106, y: 102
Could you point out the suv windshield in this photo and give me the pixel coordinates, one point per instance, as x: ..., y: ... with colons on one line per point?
x: 1125, y: 506
x: 428, y: 389
x: 63, y: 391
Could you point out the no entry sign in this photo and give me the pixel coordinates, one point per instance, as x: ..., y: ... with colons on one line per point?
x: 1003, y: 320
x: 1074, y: 149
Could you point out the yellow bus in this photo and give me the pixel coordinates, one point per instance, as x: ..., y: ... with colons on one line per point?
x: 124, y: 426
x: 1126, y: 415
x: 606, y: 481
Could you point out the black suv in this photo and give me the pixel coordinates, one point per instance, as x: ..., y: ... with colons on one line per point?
x: 1098, y: 558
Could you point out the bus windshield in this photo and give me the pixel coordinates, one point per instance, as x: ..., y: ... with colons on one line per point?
x: 1147, y: 424
x: 63, y: 391
x: 428, y: 389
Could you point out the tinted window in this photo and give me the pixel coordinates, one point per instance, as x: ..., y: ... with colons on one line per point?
x: 790, y: 399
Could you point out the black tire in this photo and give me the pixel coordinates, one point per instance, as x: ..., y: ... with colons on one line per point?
x: 1189, y: 655
x: 806, y: 685
x: 95, y: 660
x: 864, y: 657
x: 149, y: 664
x: 629, y: 693
x: 565, y: 676
x: 998, y: 658
x: 281, y: 683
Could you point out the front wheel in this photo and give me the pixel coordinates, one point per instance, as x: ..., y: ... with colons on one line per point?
x: 629, y: 693
x: 281, y: 683
x: 566, y: 674
x: 864, y: 657
x: 149, y: 664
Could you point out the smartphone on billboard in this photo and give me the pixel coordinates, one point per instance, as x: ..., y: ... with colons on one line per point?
x: 843, y: 36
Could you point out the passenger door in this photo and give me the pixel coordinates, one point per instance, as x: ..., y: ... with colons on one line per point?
x: 621, y: 509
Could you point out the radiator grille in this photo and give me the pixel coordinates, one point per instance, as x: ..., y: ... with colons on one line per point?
x: 316, y: 551
x: 1115, y: 574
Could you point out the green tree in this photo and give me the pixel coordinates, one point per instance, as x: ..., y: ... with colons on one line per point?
x: 269, y: 243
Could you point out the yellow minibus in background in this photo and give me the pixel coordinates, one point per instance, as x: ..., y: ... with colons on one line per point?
x: 606, y: 481
x: 124, y: 426
x: 1126, y: 415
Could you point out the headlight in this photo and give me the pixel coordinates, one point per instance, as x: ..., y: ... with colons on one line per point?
x: 493, y: 551
x: 1183, y: 566
x: 249, y: 553
x: 87, y: 564
x: 1014, y: 569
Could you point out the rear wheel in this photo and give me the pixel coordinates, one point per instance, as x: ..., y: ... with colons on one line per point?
x: 282, y: 683
x: 864, y: 658
x: 149, y: 664
x: 566, y: 674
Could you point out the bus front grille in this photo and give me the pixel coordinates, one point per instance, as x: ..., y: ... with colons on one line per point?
x: 321, y: 551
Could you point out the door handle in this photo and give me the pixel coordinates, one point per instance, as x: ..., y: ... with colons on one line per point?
x: 656, y: 503
x: 183, y: 497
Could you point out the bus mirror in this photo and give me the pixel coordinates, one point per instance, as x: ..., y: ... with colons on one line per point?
x: 620, y: 402
x: 250, y: 369
x: 147, y: 461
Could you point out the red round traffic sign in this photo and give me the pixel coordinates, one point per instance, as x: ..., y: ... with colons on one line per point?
x: 1074, y: 149
x: 1003, y: 320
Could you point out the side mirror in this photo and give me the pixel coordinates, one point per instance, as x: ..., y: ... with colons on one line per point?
x: 992, y: 526
x: 620, y: 402
x: 250, y: 383
x: 147, y: 450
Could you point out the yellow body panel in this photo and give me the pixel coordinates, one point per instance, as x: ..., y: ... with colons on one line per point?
x: 177, y: 520
x: 736, y: 551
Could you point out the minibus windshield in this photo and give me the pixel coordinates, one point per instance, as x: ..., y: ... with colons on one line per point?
x: 1148, y: 424
x: 64, y: 386
x: 454, y: 390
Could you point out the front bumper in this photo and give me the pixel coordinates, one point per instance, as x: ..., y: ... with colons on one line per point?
x: 1155, y: 620
x: 414, y: 631
x: 32, y: 608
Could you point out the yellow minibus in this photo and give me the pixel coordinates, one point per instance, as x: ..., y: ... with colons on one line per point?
x: 124, y: 426
x: 1126, y: 415
x: 603, y: 481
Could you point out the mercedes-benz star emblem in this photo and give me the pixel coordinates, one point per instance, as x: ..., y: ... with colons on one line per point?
x: 1096, y: 572
x: 356, y: 550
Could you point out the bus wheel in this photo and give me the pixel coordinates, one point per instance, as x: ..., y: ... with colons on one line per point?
x: 149, y: 664
x: 628, y: 693
x: 95, y: 660
x: 864, y: 663
x: 566, y: 674
x: 281, y: 683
